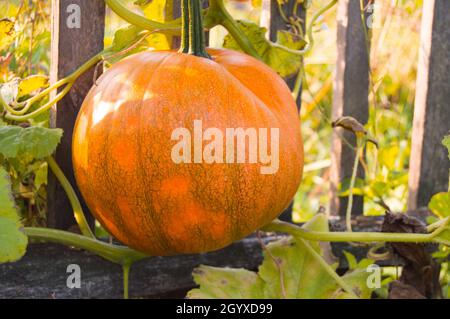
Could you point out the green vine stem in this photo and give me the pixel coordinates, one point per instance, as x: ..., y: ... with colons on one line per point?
x: 184, y: 48
x: 328, y: 268
x: 192, y: 20
x: 218, y: 10
x: 309, y: 32
x: 126, y: 277
x: 73, y: 199
x: 68, y: 81
x: 117, y: 254
x: 360, y: 141
x: 283, y: 227
x: 171, y: 28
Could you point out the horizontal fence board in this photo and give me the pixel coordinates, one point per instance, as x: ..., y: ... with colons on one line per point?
x: 41, y: 273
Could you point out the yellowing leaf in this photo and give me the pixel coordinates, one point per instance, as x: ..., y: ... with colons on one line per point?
x: 289, y: 270
x: 283, y: 62
x: 226, y: 283
x: 7, y: 33
x: 156, y: 10
x: 31, y: 84
x: 440, y: 204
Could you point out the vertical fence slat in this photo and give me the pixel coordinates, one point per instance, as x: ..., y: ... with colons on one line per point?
x: 274, y: 20
x: 350, y: 97
x: 429, y: 164
x: 277, y: 23
x: 71, y: 47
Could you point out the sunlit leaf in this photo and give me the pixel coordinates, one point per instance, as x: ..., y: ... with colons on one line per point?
x: 388, y: 156
x: 283, y: 62
x: 226, y: 283
x: 7, y: 33
x: 257, y: 3
x: 156, y: 10
x: 31, y: 84
x: 125, y: 36
x: 12, y: 241
x: 440, y: 204
x: 358, y: 189
x: 289, y: 270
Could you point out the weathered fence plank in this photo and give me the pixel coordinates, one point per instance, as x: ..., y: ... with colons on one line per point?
x: 277, y: 23
x: 42, y: 272
x: 350, y: 97
x: 77, y: 34
x: 429, y: 165
x: 273, y: 19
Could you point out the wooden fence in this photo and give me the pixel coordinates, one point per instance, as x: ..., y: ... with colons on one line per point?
x: 42, y: 272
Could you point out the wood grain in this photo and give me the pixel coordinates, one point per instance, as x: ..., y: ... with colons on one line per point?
x: 429, y: 164
x: 71, y: 47
x: 350, y: 98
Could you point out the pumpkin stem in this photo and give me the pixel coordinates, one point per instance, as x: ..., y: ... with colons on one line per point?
x: 193, y: 39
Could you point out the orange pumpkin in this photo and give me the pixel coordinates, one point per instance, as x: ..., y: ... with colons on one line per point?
x: 123, y: 147
x: 122, y: 150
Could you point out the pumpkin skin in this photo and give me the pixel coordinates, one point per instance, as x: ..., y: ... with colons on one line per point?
x: 122, y: 150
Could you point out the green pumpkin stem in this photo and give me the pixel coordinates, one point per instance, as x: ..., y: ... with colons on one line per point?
x: 192, y: 35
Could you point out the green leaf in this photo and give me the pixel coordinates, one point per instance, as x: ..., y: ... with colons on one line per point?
x: 13, y: 242
x: 358, y: 189
x: 125, y: 36
x: 446, y: 143
x: 226, y: 283
x: 289, y: 270
x: 28, y: 143
x: 351, y: 259
x: 283, y: 62
x: 32, y: 83
x: 7, y: 33
x: 41, y: 175
x: 440, y: 204
x: 388, y: 156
